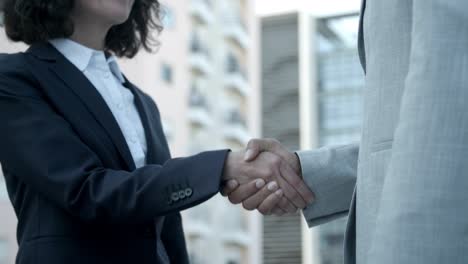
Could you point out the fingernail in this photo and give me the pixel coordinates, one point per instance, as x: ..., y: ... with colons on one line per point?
x: 248, y: 154
x: 232, y: 184
x: 279, y: 192
x: 260, y: 183
x: 272, y: 186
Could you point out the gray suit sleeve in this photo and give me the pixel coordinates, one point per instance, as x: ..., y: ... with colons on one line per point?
x: 424, y: 205
x: 331, y: 173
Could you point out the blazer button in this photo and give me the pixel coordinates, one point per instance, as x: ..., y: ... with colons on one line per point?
x: 175, y: 197
x: 182, y: 195
x: 188, y: 192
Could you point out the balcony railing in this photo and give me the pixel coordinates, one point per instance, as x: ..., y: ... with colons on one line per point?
x: 200, y: 57
x: 202, y: 10
x: 236, y: 78
x: 236, y: 128
x: 199, y: 113
x: 235, y: 29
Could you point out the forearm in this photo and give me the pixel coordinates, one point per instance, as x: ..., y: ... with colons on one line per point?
x: 331, y: 173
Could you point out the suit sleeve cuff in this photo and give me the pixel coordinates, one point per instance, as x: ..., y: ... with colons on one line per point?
x: 322, y: 171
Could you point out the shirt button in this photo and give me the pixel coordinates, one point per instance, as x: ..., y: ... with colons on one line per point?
x: 133, y: 140
x: 120, y: 106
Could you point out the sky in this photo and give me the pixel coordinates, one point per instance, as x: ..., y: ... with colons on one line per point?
x: 315, y: 7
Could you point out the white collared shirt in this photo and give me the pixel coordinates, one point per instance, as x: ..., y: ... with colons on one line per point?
x: 107, y: 78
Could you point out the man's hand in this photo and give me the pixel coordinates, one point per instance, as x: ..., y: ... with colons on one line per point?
x: 252, y: 176
x: 297, y: 194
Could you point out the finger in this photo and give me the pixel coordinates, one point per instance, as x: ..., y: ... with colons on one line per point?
x: 297, y: 183
x: 287, y: 206
x: 245, y: 191
x: 257, y: 146
x: 255, y: 200
x: 290, y: 192
x: 266, y: 207
x: 229, y: 187
x: 253, y: 149
x: 277, y: 211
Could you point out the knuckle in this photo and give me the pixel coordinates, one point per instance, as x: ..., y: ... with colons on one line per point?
x: 248, y: 206
x: 263, y: 211
x: 275, y: 141
x: 234, y: 200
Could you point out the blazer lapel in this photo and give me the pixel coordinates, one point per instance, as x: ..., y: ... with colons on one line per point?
x: 158, y: 149
x: 361, y: 44
x: 152, y: 138
x: 89, y: 96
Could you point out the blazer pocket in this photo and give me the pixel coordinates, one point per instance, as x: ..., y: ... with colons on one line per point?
x: 382, y: 146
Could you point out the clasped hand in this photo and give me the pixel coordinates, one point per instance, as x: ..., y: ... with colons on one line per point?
x: 266, y: 177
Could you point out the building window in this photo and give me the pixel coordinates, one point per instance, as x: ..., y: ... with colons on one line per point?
x: 168, y: 19
x: 166, y: 73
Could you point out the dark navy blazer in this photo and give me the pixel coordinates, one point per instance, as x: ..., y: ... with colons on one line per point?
x: 71, y: 177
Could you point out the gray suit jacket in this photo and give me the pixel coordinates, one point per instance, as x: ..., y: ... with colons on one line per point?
x: 410, y: 185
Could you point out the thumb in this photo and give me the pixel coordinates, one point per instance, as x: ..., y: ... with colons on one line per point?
x: 252, y: 151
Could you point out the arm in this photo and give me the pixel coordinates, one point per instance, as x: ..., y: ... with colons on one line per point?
x: 331, y: 173
x: 423, y: 209
x: 41, y: 149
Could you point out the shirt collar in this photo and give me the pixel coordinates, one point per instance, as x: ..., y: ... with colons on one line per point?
x: 81, y: 56
x: 114, y: 67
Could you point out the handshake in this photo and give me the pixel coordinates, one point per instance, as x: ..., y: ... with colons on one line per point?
x: 267, y: 177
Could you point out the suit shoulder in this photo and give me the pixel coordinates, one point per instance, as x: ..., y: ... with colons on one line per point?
x: 10, y: 63
x: 16, y: 76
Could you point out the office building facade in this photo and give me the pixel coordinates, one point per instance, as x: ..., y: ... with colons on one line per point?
x: 204, y: 78
x: 311, y: 96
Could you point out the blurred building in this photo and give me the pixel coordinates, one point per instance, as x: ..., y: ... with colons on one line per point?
x: 311, y: 96
x: 204, y: 78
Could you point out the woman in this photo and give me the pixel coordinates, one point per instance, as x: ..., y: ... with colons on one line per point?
x: 84, y: 156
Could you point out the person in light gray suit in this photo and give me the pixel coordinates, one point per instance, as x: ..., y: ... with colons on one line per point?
x: 405, y: 186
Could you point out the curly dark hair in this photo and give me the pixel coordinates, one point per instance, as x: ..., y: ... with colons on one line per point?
x: 33, y: 21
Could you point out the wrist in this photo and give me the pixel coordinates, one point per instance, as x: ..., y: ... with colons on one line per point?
x: 231, y: 166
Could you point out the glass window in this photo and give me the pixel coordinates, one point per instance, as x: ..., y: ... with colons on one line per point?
x: 341, y: 81
x: 168, y: 19
x: 166, y: 73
